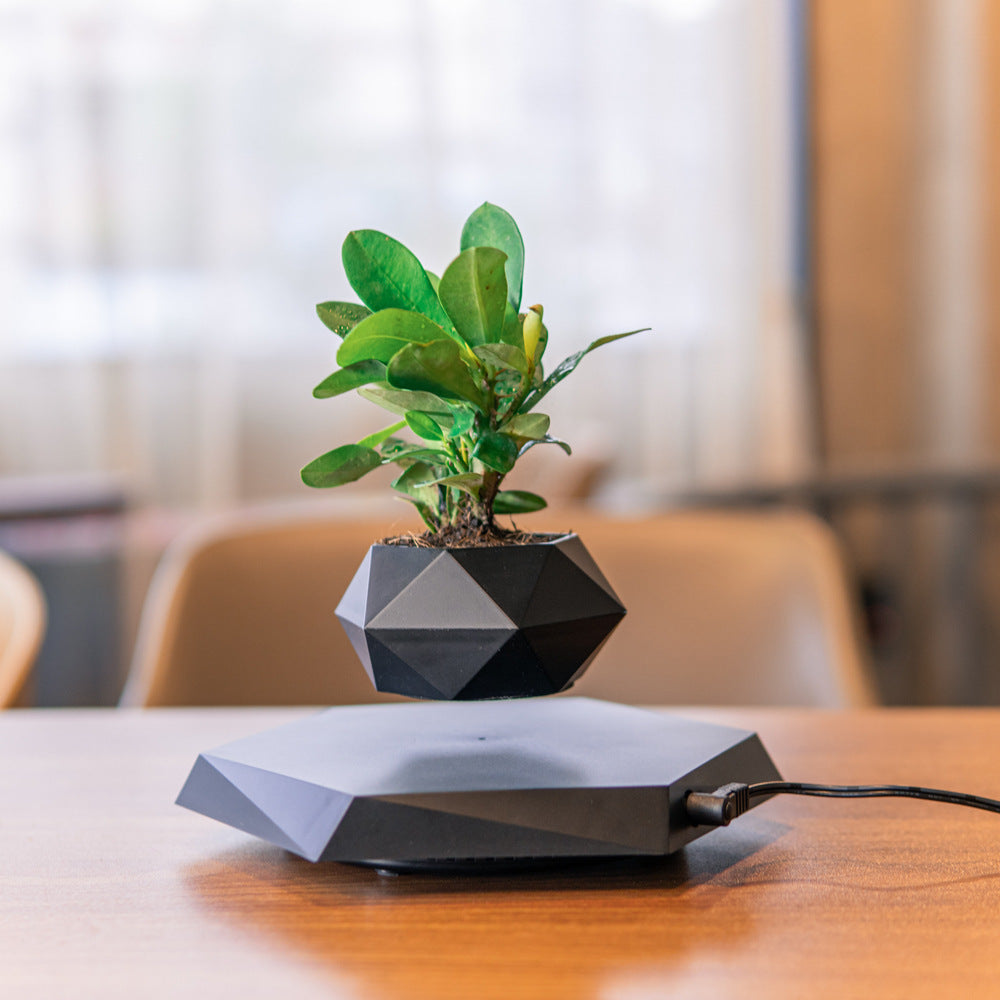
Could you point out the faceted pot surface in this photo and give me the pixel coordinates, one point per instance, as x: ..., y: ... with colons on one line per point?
x: 512, y: 621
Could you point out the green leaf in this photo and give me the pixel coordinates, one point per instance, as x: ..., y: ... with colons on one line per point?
x: 424, y: 498
x: 437, y: 368
x: 341, y: 317
x: 545, y: 440
x: 490, y: 226
x: 462, y: 420
x: 512, y: 333
x: 386, y: 275
x: 503, y: 356
x: 355, y: 375
x: 384, y: 333
x: 496, y: 450
x: 413, y: 482
x: 374, y: 440
x: 424, y: 426
x: 528, y: 425
x: 427, y: 514
x: 568, y: 365
x: 473, y: 291
x: 342, y: 465
x: 391, y: 445
x: 517, y: 502
x: 429, y: 455
x: 467, y: 482
x: 434, y: 280
x: 405, y: 453
x: 402, y: 401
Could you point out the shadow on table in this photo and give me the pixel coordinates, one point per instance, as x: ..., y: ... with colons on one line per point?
x: 567, y: 929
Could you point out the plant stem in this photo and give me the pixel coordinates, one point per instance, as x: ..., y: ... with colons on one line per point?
x: 488, y: 494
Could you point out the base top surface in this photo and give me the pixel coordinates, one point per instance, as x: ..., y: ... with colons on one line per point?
x: 493, y: 745
x: 490, y: 782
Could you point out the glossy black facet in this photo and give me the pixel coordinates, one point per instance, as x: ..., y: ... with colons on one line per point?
x: 508, y: 579
x: 514, y: 671
x: 504, y: 622
x: 567, y: 651
x: 393, y: 674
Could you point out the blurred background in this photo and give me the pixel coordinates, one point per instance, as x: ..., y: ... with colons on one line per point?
x: 800, y: 197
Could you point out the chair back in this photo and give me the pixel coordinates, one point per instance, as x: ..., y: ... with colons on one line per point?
x: 22, y: 626
x: 241, y: 612
x: 726, y: 609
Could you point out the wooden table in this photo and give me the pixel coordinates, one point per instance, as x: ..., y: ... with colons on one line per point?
x: 108, y: 890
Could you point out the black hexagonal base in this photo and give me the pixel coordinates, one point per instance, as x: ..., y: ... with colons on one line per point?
x: 509, y: 621
x: 445, y: 784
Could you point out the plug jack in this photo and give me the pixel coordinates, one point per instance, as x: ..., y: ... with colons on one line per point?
x: 718, y: 808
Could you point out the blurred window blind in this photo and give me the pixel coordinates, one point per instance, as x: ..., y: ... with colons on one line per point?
x: 176, y: 178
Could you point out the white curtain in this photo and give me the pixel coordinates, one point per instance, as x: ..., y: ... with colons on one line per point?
x: 176, y: 178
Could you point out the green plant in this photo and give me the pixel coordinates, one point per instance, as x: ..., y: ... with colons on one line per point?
x: 452, y: 357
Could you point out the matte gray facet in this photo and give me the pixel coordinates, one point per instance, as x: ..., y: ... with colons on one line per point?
x: 405, y: 831
x: 390, y: 569
x: 359, y: 640
x: 354, y: 604
x: 448, y: 781
x: 209, y: 791
x: 307, y: 810
x: 442, y: 596
x: 621, y: 820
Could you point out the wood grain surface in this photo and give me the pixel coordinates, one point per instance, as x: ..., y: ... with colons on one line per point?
x: 108, y: 890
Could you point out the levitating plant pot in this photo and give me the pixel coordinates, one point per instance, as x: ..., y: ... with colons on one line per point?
x: 505, y: 621
x: 462, y: 368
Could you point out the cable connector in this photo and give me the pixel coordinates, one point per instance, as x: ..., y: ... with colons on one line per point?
x: 721, y: 807
x: 718, y: 808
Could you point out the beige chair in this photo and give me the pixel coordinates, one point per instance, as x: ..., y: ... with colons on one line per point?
x: 241, y: 612
x: 22, y: 626
x: 723, y: 609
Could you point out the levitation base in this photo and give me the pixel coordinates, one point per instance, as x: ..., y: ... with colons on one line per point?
x: 446, y: 784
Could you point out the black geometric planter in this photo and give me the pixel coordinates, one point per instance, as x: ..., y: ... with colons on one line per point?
x: 511, y: 621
